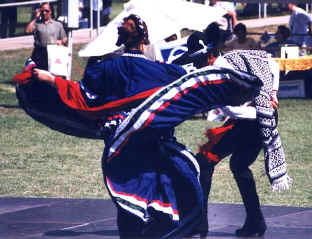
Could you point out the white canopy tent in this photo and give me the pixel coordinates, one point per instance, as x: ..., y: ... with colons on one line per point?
x: 163, y: 18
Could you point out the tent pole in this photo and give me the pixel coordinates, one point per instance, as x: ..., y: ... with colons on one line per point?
x: 70, y: 54
x: 91, y: 18
x: 98, y: 18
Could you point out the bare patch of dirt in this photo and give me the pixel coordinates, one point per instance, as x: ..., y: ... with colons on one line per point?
x: 8, y: 110
x: 8, y: 88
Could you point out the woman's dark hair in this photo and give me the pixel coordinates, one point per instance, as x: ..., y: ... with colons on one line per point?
x: 141, y: 27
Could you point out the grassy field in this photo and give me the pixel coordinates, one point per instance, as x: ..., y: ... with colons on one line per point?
x: 38, y: 162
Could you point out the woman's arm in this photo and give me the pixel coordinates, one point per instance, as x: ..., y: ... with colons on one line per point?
x: 44, y: 76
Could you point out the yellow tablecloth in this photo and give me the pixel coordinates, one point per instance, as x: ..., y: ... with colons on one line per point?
x: 295, y: 64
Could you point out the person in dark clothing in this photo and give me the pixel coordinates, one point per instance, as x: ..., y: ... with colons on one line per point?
x: 244, y: 135
x: 8, y: 21
x: 103, y: 6
x: 243, y: 143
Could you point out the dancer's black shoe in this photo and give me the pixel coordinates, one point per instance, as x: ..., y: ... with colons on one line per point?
x: 201, y: 230
x: 252, y: 230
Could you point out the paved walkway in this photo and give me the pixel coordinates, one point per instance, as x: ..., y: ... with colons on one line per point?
x: 57, y: 218
x: 79, y: 36
x: 84, y: 35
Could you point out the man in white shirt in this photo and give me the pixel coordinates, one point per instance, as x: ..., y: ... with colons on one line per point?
x: 300, y: 23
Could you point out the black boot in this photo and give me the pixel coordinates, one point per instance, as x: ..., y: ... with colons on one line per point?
x: 254, y: 224
x: 252, y: 228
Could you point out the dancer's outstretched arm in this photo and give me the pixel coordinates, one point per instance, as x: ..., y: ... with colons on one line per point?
x: 44, y: 76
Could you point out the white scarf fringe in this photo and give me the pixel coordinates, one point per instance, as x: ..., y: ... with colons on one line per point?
x: 282, y: 184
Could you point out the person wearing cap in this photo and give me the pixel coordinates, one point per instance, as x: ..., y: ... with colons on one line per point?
x: 247, y: 129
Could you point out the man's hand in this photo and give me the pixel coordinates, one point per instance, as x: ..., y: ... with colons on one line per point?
x: 62, y: 42
x: 59, y: 42
x: 31, y: 25
x: 37, y: 13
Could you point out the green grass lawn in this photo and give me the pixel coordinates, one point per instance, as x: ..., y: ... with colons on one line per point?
x: 36, y: 161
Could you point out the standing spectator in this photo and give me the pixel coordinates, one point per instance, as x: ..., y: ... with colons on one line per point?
x: 107, y: 10
x: 241, y: 42
x: 46, y: 31
x: 229, y: 20
x: 300, y: 24
x: 8, y: 20
x: 81, y: 6
x: 84, y: 9
x: 104, y: 6
x: 83, y: 15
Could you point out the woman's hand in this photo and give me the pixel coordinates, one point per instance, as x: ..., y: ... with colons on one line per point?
x: 45, y: 76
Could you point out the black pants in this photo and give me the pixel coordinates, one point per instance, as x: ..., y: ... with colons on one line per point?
x: 40, y: 57
x: 8, y: 21
x: 243, y: 143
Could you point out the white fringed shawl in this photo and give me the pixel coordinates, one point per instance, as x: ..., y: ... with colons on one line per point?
x: 256, y: 63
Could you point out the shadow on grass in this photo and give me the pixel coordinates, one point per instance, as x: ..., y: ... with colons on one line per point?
x: 8, y: 82
x: 10, y: 106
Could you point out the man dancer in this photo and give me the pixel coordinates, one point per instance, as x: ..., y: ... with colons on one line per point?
x: 251, y: 127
